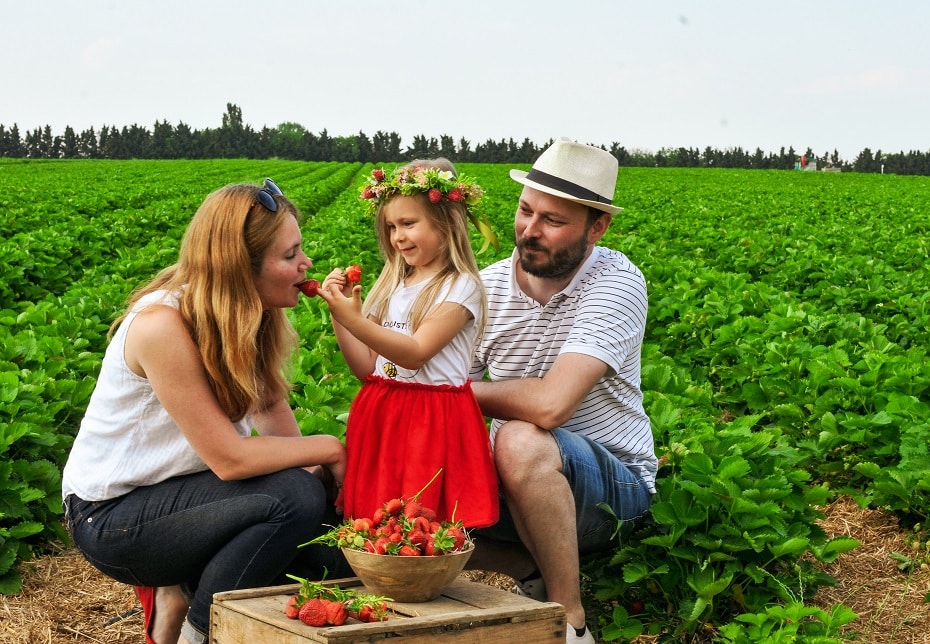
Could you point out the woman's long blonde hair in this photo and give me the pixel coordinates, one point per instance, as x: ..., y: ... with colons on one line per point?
x: 451, y: 219
x: 245, y: 349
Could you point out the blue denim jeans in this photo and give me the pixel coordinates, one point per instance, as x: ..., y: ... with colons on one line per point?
x: 209, y: 535
x: 595, y: 476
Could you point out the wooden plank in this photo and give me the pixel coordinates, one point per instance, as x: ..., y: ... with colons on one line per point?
x: 466, y: 612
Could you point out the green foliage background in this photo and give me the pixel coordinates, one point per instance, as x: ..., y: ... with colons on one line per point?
x: 785, y: 358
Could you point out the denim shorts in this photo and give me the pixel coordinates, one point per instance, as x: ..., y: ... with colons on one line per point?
x: 596, y: 476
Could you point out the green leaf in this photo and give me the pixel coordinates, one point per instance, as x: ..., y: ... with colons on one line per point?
x: 794, y: 546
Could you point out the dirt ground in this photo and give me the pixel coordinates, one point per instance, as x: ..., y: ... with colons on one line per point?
x: 66, y: 600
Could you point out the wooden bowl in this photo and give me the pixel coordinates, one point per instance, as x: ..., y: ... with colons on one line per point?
x: 407, y: 579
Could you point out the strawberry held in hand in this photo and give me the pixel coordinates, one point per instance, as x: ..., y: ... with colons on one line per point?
x: 309, y: 288
x: 354, y: 273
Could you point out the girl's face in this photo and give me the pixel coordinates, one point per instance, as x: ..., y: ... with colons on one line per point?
x: 283, y: 268
x: 413, y: 234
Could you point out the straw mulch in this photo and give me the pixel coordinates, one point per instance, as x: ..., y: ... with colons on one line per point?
x: 889, y: 601
x: 64, y: 599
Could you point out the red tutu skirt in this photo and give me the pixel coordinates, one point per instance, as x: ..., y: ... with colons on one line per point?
x: 400, y: 434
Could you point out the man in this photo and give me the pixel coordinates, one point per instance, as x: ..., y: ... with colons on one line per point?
x: 562, y: 350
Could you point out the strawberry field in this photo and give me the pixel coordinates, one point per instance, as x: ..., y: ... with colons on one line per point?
x: 785, y: 360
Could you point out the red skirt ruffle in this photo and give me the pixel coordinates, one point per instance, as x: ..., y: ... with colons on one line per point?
x: 400, y: 434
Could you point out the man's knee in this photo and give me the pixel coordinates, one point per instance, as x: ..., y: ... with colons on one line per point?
x: 515, y: 438
x: 518, y: 444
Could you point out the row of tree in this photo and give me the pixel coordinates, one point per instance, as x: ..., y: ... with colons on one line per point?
x: 235, y: 139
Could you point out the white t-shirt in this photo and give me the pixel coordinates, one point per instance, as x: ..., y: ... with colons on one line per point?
x: 450, y: 366
x: 127, y: 439
x: 601, y: 313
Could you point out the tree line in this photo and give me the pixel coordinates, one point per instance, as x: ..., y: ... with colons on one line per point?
x: 235, y: 139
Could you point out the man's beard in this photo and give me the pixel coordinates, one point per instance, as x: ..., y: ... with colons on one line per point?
x: 561, y: 263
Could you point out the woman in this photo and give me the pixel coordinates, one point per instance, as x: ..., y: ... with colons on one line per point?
x: 167, y: 486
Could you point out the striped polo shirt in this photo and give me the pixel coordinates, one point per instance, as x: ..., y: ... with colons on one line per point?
x: 600, y: 313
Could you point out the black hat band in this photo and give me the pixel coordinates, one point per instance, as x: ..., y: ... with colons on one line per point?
x: 573, y: 189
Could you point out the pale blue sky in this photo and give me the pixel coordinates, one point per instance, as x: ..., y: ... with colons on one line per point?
x: 823, y: 73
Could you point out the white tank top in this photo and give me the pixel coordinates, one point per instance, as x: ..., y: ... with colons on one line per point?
x: 127, y: 439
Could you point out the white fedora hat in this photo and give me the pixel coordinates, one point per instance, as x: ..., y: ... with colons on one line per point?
x: 574, y: 171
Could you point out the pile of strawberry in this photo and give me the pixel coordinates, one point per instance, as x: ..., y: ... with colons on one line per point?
x: 403, y: 527
x: 318, y: 604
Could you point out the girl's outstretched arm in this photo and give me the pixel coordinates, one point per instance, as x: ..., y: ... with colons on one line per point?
x: 360, y: 358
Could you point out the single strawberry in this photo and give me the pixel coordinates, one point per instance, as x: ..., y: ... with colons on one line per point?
x: 365, y: 612
x: 412, y: 509
x: 421, y: 523
x: 354, y: 273
x: 408, y: 550
x: 435, y: 195
x: 455, y: 194
x: 381, y: 545
x: 458, y: 537
x: 313, y: 612
x: 335, y: 613
x: 429, y: 513
x: 292, y: 610
x: 378, y: 174
x: 394, y: 507
x: 418, y: 538
x: 367, y: 193
x: 309, y: 288
x: 361, y: 525
x: 378, y: 517
x: 441, y: 542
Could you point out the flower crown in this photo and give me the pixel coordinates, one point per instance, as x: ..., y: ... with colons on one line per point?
x: 438, y: 184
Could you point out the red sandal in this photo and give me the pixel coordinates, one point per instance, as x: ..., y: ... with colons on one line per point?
x: 146, y: 595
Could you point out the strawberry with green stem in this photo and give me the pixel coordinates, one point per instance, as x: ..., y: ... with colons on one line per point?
x: 331, y: 603
x: 401, y: 527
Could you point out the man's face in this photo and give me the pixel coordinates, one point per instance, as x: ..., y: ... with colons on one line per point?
x: 552, y: 234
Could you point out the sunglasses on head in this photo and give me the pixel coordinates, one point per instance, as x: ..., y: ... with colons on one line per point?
x: 267, y: 194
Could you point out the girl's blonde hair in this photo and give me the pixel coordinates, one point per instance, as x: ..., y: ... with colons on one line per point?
x: 245, y: 349
x: 451, y: 219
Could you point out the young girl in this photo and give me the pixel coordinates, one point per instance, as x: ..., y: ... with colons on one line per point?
x: 411, y: 345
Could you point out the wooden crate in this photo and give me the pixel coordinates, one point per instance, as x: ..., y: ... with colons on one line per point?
x: 466, y: 612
